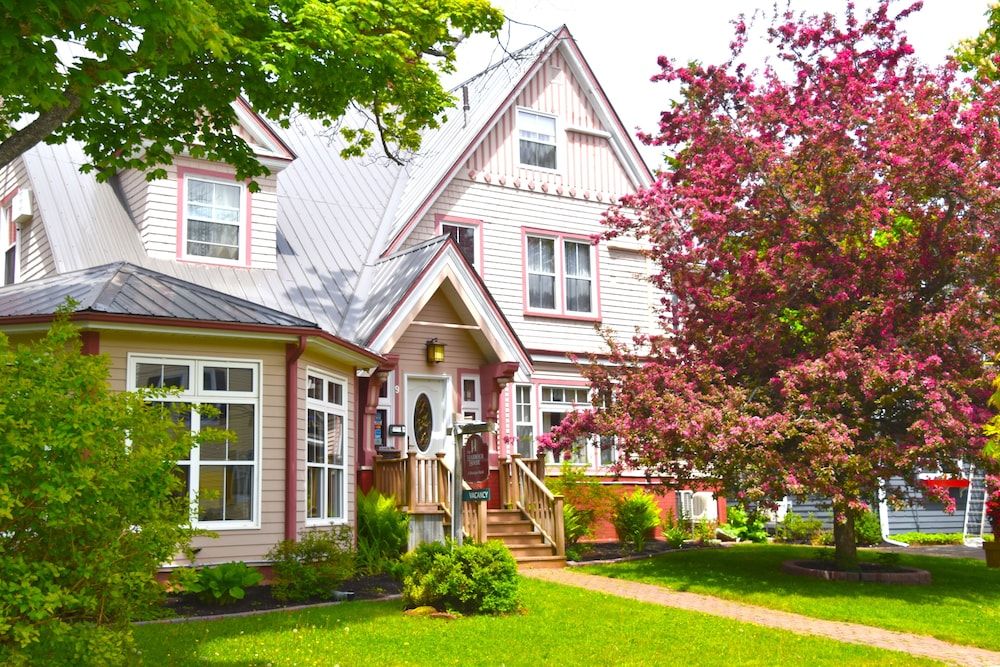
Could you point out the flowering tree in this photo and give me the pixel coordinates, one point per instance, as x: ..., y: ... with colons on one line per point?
x: 827, y: 231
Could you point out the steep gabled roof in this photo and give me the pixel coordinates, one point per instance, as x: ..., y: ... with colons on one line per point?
x: 125, y: 289
x: 491, y: 93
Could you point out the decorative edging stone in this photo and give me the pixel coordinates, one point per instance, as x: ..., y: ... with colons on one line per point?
x: 907, y: 575
x: 256, y: 612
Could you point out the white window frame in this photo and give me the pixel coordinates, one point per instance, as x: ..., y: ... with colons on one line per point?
x: 529, y: 423
x: 560, y: 309
x: 563, y: 407
x: 473, y: 407
x: 556, y: 142
x: 241, y: 248
x: 326, y: 407
x: 196, y: 395
x: 590, y: 278
x: 476, y: 259
x: 7, y: 225
x: 556, y: 263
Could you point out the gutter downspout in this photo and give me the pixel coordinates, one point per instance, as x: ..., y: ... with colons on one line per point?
x: 883, y: 518
x: 293, y: 352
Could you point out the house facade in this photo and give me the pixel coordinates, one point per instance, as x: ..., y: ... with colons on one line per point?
x: 347, y: 314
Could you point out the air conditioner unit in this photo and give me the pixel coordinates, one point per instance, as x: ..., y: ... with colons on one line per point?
x: 703, y: 506
x: 20, y: 207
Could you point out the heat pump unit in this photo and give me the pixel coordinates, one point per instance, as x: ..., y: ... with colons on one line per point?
x: 703, y: 506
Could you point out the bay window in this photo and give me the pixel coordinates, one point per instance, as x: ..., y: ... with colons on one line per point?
x: 220, y: 476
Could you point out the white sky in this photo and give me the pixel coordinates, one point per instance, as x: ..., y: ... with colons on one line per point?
x: 622, y: 39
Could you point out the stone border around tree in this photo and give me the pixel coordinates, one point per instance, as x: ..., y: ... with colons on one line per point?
x: 903, y: 575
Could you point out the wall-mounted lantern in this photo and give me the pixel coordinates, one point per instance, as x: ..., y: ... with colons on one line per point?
x: 435, y: 351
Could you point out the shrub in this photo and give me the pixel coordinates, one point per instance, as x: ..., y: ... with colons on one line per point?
x: 86, y: 519
x: 674, y: 531
x: 800, y: 530
x: 217, y: 584
x: 582, y: 491
x: 745, y: 526
x: 868, y: 529
x: 704, y: 530
x: 635, y: 516
x: 382, y: 533
x: 314, y: 566
x: 472, y: 578
x: 577, y: 524
x: 929, y: 538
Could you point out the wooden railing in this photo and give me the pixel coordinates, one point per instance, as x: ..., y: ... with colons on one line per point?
x: 522, y: 489
x: 413, y: 481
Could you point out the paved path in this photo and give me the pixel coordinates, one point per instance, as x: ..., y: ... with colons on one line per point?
x: 846, y: 632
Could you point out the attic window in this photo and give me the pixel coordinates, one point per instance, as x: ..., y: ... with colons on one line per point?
x: 537, y: 134
x: 215, y: 220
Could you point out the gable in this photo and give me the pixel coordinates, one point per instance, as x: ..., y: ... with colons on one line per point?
x: 586, y: 160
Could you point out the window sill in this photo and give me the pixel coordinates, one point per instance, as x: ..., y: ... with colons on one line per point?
x: 208, y: 261
x: 325, y: 523
x: 556, y: 315
x: 225, y: 525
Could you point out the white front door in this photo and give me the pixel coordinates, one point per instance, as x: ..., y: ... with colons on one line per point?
x: 428, y: 416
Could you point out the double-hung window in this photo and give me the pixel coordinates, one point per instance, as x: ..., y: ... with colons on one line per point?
x: 221, y: 475
x: 560, y: 275
x: 326, y: 449
x: 537, y: 139
x: 215, y: 219
x: 10, y: 233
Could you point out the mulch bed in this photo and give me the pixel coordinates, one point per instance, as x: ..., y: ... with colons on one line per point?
x: 600, y: 551
x: 258, y: 598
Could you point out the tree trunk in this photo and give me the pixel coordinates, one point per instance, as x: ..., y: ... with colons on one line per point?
x: 845, y: 545
x: 37, y: 130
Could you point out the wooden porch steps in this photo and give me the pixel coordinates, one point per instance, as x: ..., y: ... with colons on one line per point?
x: 528, y: 547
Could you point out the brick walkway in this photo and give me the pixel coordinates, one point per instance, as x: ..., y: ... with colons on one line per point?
x: 845, y: 632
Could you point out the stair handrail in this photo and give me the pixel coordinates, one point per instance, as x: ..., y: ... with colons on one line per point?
x: 547, y: 520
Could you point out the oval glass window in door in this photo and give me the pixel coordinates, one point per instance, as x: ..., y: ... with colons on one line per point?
x: 423, y: 422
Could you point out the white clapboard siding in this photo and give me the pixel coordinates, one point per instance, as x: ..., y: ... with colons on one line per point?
x: 626, y: 296
x: 34, y: 254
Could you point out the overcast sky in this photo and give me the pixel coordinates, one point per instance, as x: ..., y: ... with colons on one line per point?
x: 622, y: 39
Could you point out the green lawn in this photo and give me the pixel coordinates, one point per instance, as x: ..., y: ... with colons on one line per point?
x: 561, y: 626
x: 962, y: 605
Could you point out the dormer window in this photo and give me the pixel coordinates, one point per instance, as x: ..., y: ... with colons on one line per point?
x: 214, y: 219
x: 537, y: 135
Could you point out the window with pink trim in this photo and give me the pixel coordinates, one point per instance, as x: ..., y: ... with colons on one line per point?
x: 465, y: 237
x: 10, y: 236
x: 560, y: 275
x: 214, y: 219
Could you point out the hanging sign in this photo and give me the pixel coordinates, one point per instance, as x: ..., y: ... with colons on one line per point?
x: 475, y: 460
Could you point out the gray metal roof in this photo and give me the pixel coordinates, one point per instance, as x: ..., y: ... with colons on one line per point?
x: 125, y: 289
x: 392, y: 279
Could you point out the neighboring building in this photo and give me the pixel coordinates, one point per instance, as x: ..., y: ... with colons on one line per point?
x: 311, y: 311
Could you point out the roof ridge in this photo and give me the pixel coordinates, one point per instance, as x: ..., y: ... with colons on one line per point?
x: 511, y: 55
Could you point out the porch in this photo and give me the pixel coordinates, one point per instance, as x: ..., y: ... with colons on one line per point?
x: 529, y: 520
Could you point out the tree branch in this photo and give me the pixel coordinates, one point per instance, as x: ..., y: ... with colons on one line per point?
x: 37, y: 130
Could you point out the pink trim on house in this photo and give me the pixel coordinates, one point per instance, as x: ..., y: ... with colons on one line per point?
x: 482, y: 287
x: 290, y: 155
x: 11, y: 227
x: 560, y: 313
x: 182, y: 173
x: 443, y: 218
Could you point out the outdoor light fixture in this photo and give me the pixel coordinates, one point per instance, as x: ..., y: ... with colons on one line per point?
x: 435, y: 351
